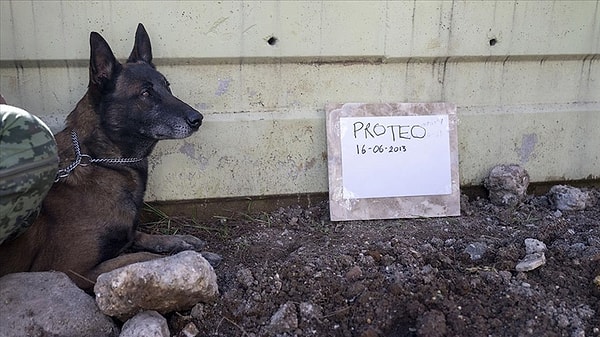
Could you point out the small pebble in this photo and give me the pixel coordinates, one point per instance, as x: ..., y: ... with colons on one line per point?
x: 190, y: 330
x: 245, y: 277
x: 476, y: 250
x: 597, y: 281
x: 534, y: 246
x: 449, y: 242
x: 563, y: 321
x: 285, y: 319
x: 531, y: 262
x: 308, y: 311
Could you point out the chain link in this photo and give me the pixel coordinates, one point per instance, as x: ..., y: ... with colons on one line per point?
x: 85, y: 160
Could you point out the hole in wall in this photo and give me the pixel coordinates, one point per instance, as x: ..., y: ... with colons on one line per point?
x: 493, y: 42
x: 272, y: 41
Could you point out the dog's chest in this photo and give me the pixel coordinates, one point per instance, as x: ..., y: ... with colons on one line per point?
x: 128, y: 190
x: 115, y: 195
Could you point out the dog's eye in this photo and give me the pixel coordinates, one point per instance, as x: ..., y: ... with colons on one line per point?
x: 145, y: 93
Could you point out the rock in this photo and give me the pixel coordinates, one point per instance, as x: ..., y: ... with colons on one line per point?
x: 168, y: 284
x: 285, y: 319
x: 562, y: 321
x: 49, y: 304
x: 476, y: 250
x: 505, y: 275
x: 190, y: 330
x: 531, y: 262
x: 245, y: 277
x: 567, y: 198
x: 535, y: 257
x: 449, y: 242
x: 534, y: 246
x: 198, y: 311
x: 507, y: 184
x: 309, y: 311
x: 432, y: 324
x: 146, y: 324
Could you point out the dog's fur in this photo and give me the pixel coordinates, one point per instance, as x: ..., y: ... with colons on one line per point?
x: 89, y: 218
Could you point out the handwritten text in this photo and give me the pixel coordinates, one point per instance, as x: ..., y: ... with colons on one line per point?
x: 393, y: 131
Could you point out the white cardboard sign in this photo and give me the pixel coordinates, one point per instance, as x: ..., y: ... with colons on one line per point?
x: 392, y: 160
x: 395, y: 156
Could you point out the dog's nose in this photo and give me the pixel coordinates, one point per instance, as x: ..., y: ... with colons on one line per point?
x: 193, y: 118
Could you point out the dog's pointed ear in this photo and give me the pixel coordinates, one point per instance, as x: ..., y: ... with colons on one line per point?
x: 142, y: 49
x: 103, y: 63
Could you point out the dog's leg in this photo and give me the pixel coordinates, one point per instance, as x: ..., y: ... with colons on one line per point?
x: 166, y: 244
x: 148, y: 242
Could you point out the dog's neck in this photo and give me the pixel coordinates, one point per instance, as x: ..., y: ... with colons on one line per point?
x: 83, y: 159
x: 83, y: 118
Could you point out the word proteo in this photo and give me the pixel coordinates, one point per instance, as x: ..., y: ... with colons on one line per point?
x: 395, y: 131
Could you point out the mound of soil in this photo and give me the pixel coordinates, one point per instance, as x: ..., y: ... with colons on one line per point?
x: 292, y: 272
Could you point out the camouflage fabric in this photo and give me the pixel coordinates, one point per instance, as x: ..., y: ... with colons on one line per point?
x: 28, y: 166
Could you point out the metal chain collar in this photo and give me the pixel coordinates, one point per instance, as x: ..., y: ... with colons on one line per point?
x: 85, y: 159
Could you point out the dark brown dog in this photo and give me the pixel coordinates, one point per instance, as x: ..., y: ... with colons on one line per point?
x: 90, y: 215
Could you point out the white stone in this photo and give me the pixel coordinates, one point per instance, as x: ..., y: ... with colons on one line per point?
x: 168, y: 284
x: 476, y: 250
x: 309, y: 311
x: 534, y: 246
x: 190, y: 330
x: 146, y: 324
x: 531, y: 262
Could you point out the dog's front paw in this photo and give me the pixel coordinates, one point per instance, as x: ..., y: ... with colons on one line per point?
x: 167, y: 244
x: 187, y: 242
x: 213, y: 258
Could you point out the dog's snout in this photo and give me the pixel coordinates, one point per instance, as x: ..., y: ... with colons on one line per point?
x: 193, y: 118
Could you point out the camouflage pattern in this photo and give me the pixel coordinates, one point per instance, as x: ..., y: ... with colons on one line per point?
x: 28, y: 167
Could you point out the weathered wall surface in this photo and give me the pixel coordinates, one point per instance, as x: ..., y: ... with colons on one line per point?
x: 525, y: 76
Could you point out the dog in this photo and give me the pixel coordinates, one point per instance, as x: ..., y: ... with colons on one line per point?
x: 88, y: 221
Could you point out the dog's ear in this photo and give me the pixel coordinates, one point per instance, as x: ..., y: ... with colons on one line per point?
x: 103, y: 63
x: 142, y: 50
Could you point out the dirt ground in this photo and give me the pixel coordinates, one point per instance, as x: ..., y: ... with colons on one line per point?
x: 292, y: 272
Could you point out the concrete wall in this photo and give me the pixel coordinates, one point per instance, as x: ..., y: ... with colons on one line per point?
x: 525, y: 76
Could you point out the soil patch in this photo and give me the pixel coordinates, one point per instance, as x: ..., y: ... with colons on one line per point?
x: 292, y: 272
